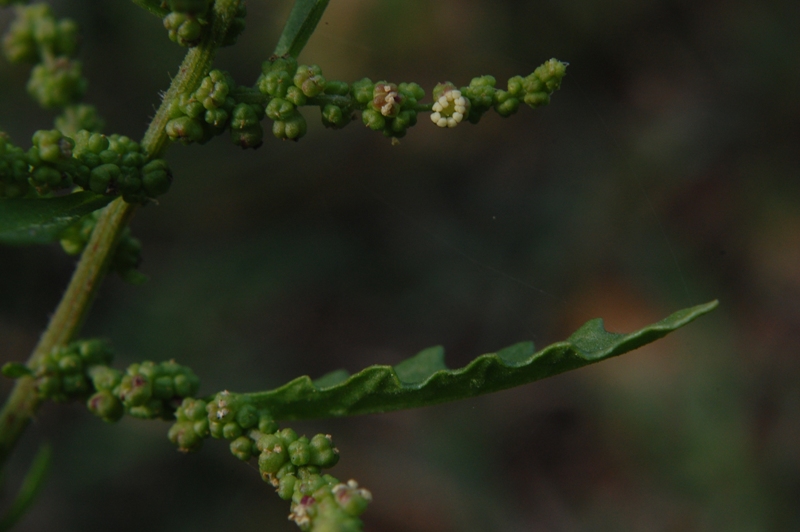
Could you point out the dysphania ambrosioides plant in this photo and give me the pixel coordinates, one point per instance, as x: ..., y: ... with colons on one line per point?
x: 79, y: 185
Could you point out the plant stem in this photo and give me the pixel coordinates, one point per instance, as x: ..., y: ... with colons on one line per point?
x: 76, y: 301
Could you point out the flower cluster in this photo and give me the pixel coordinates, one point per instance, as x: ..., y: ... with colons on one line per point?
x: 149, y: 390
x: 289, y: 85
x: 198, y: 116
x: 63, y: 374
x: 228, y: 415
x: 14, y: 172
x: 36, y: 37
x: 111, y: 164
x: 189, y: 19
x: 390, y: 108
x: 534, y: 90
x: 126, y: 258
x: 322, y: 503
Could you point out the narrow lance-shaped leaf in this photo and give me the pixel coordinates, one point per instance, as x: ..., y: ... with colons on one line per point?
x: 39, y: 221
x: 302, y: 22
x: 31, y: 485
x: 425, y: 380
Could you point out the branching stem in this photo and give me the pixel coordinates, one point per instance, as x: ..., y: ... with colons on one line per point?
x: 66, y: 322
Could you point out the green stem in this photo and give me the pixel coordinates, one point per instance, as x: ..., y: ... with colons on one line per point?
x: 252, y: 95
x: 74, y: 305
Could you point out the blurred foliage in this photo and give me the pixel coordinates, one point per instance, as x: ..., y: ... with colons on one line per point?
x: 664, y: 174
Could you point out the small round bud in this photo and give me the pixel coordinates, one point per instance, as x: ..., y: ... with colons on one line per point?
x: 322, y: 451
x: 505, y: 104
x: 373, y: 119
x: 242, y: 448
x: 102, y: 177
x: 156, y: 180
x: 299, y: 452
x: 106, y: 406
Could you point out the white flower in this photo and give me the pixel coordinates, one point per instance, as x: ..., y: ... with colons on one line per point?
x: 449, y: 109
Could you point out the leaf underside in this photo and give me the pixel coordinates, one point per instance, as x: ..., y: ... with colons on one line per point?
x: 40, y: 221
x: 425, y: 380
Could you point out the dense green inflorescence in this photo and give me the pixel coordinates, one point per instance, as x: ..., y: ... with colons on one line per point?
x: 188, y: 20
x: 36, y: 37
x: 81, y: 371
x: 292, y: 464
x: 112, y: 164
x: 284, y: 86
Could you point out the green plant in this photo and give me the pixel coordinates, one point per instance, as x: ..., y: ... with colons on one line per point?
x: 116, y: 174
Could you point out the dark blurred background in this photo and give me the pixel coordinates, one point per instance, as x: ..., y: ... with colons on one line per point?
x: 664, y: 174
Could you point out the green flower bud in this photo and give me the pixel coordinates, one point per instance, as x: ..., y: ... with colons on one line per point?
x: 163, y: 387
x: 300, y: 452
x: 156, y: 180
x: 373, y: 119
x: 411, y: 91
x: 273, y: 455
x: 247, y: 417
x: 280, y: 109
x: 292, y: 128
x: 275, y: 83
x: 57, y: 83
x: 286, y: 486
x: 278, y: 64
x: 191, y: 410
x: 242, y: 448
x: 186, y: 384
x: 266, y: 424
x: 309, y: 79
x: 516, y: 86
x: 362, y: 90
x: 135, y: 389
x: 322, y: 451
x: 74, y: 384
x: 102, y: 177
x: 295, y: 96
x: 231, y: 431
x: 183, y: 29
x: 106, y: 406
x: 104, y: 378
x: 49, y: 386
x: 19, y: 44
x: 185, y: 129
x: 153, y: 409
x: 95, y: 351
x: 48, y: 176
x: 334, y: 117
x: 217, y: 117
x: 215, y: 428
x: 185, y: 437
x: 53, y: 146
x: 288, y: 436
x: 66, y: 39
x: 70, y: 364
x: 505, y: 104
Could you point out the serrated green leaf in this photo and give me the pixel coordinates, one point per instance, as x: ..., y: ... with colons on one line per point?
x: 40, y: 221
x: 302, y: 22
x: 425, y: 380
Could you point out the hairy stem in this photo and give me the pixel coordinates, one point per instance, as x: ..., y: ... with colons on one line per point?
x: 74, y: 305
